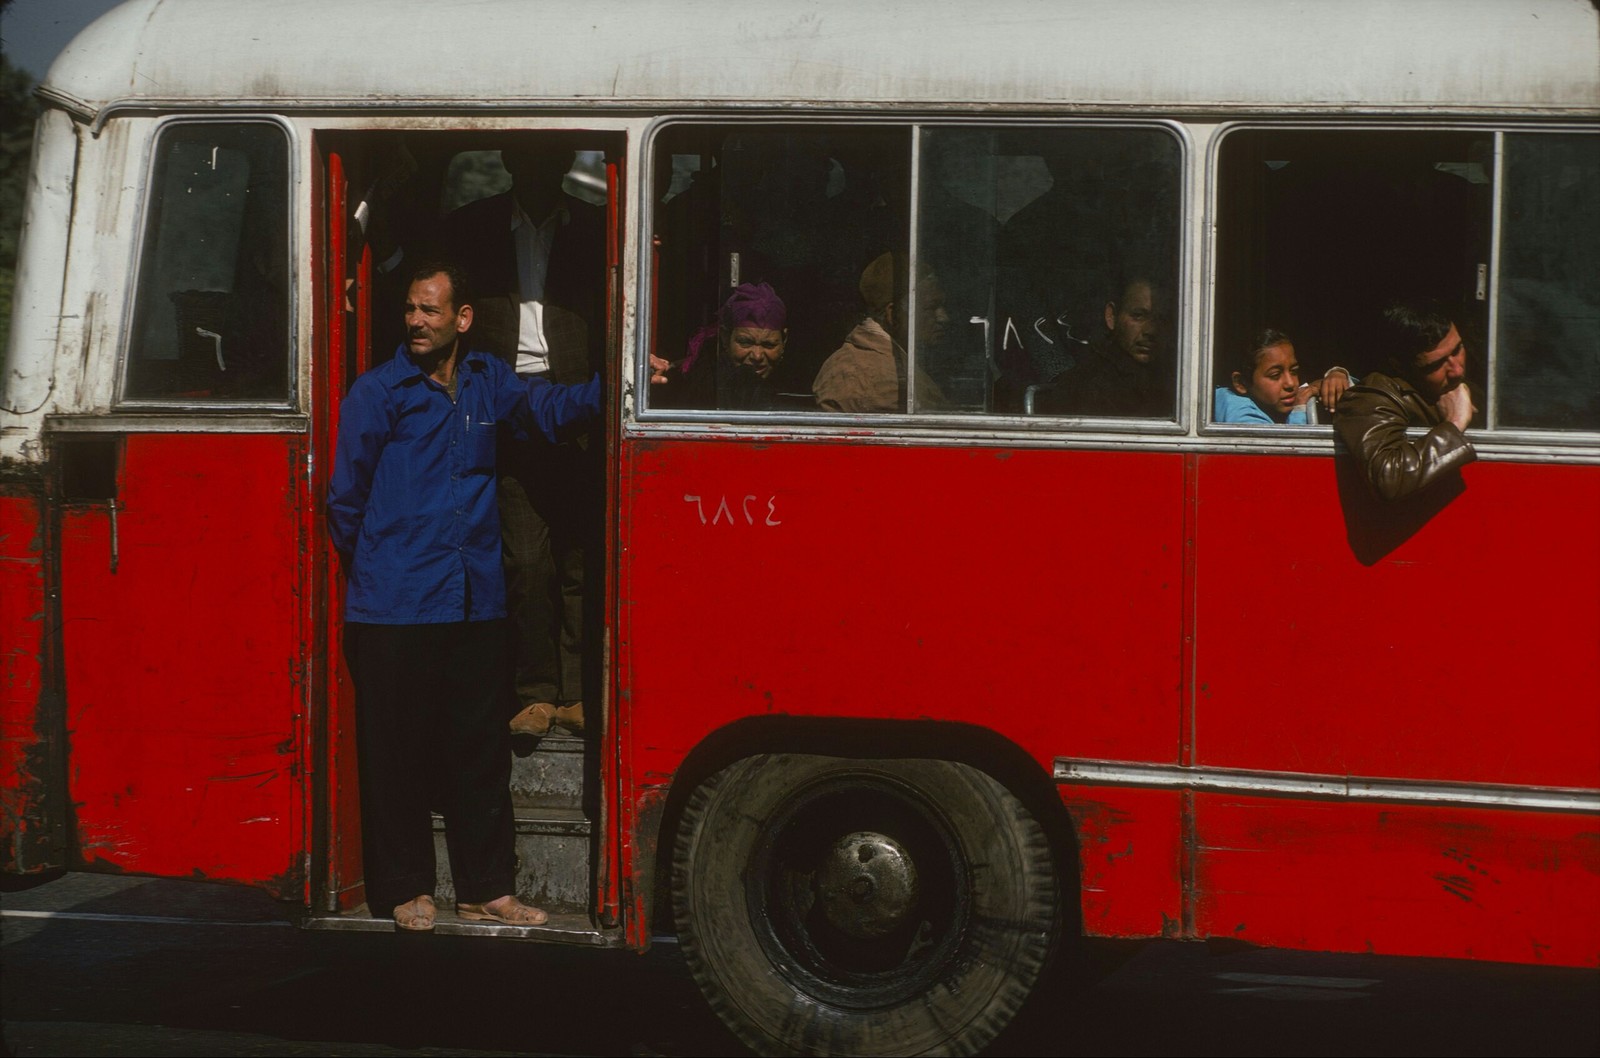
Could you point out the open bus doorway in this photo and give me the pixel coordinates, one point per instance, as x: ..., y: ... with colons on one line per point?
x: 396, y: 200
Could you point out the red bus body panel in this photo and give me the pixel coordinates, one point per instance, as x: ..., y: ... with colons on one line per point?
x: 1470, y: 652
x: 1010, y: 590
x: 1338, y: 638
x: 1399, y: 879
x: 183, y: 662
x: 1005, y: 589
x: 1046, y: 595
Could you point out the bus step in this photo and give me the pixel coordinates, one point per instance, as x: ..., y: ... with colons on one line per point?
x: 547, y: 772
x: 568, y: 928
x: 552, y: 860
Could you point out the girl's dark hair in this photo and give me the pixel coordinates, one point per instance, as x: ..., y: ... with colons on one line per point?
x: 1247, y: 356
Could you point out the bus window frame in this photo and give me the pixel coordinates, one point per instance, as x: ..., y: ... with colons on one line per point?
x: 294, y: 186
x: 1491, y: 439
x: 981, y: 426
x: 1518, y: 434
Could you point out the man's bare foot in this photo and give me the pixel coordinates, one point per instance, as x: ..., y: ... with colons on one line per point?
x: 416, y: 914
x: 507, y: 909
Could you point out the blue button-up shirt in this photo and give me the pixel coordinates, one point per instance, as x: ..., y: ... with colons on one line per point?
x: 412, y: 507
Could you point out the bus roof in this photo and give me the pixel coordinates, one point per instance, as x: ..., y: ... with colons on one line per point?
x: 1461, y: 56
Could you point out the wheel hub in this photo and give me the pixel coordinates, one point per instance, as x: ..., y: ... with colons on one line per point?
x: 867, y: 885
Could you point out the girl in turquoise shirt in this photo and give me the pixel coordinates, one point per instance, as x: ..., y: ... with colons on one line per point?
x: 1265, y: 386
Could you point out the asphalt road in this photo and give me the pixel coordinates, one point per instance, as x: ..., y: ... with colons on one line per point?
x: 126, y: 966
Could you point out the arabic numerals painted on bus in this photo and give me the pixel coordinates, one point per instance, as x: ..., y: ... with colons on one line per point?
x: 755, y: 510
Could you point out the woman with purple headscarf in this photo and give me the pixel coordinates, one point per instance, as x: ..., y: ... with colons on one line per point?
x: 751, y: 336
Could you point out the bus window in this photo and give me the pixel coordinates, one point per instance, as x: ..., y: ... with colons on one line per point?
x: 1036, y: 251
x: 211, y: 309
x: 1547, y: 353
x: 1317, y: 230
x: 803, y: 210
x: 1055, y: 257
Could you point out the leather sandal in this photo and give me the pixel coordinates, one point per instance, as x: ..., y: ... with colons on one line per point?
x: 537, y: 718
x: 512, y: 913
x: 570, y: 717
x: 534, y: 720
x: 416, y: 915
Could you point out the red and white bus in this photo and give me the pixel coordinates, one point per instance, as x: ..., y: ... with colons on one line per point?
x: 896, y: 701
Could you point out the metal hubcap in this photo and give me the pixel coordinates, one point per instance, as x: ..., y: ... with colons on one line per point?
x: 867, y: 885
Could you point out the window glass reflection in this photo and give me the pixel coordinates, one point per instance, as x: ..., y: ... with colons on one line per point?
x: 1548, y: 357
x: 1056, y: 251
x: 798, y: 211
x: 1042, y: 277
x: 211, y: 308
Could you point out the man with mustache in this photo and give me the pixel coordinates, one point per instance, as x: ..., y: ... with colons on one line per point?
x: 1124, y: 372
x: 412, y: 513
x: 1425, y: 386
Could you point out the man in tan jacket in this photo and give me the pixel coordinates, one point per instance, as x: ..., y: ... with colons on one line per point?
x: 868, y: 372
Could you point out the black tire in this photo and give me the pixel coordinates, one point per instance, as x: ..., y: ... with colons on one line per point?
x: 834, y: 906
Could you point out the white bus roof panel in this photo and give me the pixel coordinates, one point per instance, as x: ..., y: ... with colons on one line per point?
x: 1457, y: 55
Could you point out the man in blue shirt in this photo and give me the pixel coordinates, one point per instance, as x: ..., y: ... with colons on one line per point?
x: 412, y: 513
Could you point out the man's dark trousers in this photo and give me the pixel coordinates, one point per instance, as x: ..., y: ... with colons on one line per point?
x: 430, y: 723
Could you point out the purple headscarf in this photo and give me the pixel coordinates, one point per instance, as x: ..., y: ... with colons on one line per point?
x: 750, y: 305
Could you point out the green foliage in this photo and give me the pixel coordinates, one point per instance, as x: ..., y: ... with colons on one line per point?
x: 18, y: 111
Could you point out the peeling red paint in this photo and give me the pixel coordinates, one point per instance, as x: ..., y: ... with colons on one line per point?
x: 192, y: 730
x: 32, y: 801
x: 1128, y: 865
x: 1449, y: 881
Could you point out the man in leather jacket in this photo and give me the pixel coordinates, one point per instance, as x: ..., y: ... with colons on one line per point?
x: 1426, y: 387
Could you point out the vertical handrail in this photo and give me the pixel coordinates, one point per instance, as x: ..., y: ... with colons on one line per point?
x: 328, y: 386
x: 608, y: 845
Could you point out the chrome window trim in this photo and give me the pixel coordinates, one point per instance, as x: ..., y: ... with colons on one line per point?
x: 97, y: 115
x: 285, y: 422
x: 1312, y: 786
x: 293, y: 190
x: 913, y: 121
x: 1491, y: 365
x: 1013, y: 434
x: 913, y: 295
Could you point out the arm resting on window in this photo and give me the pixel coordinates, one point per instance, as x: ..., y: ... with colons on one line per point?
x: 1373, y: 424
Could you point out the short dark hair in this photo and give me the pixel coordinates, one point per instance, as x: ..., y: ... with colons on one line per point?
x: 460, y: 283
x: 1122, y: 282
x: 1410, y: 327
x: 1247, y: 355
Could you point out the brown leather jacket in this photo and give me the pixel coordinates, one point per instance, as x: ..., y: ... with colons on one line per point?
x: 1372, y: 419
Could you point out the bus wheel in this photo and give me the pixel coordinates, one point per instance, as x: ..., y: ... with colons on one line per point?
x: 835, y: 906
